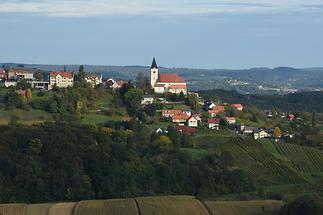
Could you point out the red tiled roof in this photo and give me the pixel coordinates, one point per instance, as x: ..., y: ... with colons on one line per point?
x: 175, y: 112
x: 213, y: 121
x: 63, y: 74
x: 1, y: 70
x: 185, y: 129
x: 171, y: 78
x: 237, y: 105
x: 121, y: 83
x: 181, y: 116
x: 178, y: 86
x: 16, y: 71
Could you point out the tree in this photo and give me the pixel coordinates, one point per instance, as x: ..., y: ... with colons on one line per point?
x: 81, y: 72
x: 29, y: 95
x: 193, y: 101
x: 277, y: 133
x: 132, y: 101
x: 38, y: 75
x: 313, y: 119
x: 142, y: 82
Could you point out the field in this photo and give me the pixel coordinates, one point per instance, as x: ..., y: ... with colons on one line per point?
x: 38, y: 209
x: 159, y: 205
x: 245, y: 208
x: 24, y: 117
x: 102, y: 207
x: 180, y: 205
x: 13, y: 209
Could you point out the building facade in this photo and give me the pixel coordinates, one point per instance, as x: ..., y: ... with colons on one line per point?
x: 61, y: 79
x: 166, y: 83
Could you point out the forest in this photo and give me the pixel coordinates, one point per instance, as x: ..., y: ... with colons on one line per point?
x: 64, y: 161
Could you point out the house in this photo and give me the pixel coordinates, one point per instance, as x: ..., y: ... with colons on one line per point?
x: 3, y: 74
x: 8, y: 83
x: 180, y: 118
x: 119, y: 84
x: 247, y: 130
x: 93, y: 79
x: 187, y: 112
x: 170, y: 113
x: 166, y: 83
x: 40, y: 84
x: 260, y: 134
x: 213, y: 123
x: 239, y: 107
x: 209, y: 105
x: 192, y: 122
x: 159, y: 131
x: 197, y: 117
x: 61, y: 79
x: 291, y: 117
x: 269, y: 114
x: 219, y: 109
x: 20, y: 74
x: 185, y: 129
x: 231, y: 120
x: 147, y: 99
x: 115, y: 84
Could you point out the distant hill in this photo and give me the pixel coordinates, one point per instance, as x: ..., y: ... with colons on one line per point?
x: 209, y: 78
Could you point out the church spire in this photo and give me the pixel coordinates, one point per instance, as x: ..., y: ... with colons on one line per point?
x: 154, y: 64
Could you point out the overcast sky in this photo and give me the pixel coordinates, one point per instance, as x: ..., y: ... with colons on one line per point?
x: 180, y: 33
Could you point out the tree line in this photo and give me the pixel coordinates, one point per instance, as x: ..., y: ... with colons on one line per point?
x: 69, y: 162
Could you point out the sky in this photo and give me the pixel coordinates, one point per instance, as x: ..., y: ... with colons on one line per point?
x: 224, y: 34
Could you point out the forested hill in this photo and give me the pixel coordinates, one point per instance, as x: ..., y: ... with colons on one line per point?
x: 302, y: 101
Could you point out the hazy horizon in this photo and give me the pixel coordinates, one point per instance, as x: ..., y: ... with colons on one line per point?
x: 180, y: 34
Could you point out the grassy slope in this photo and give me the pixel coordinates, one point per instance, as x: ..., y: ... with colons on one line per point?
x: 102, y: 207
x: 24, y: 117
x: 179, y: 205
x: 245, y: 208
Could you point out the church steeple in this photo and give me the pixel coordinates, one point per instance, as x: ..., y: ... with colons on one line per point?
x: 153, y: 73
x: 154, y: 64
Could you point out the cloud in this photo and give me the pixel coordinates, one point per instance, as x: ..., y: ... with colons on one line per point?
x: 88, y: 8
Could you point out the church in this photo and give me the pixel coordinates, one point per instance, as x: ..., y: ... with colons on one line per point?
x: 166, y: 83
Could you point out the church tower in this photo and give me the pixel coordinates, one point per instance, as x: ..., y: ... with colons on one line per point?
x: 153, y: 73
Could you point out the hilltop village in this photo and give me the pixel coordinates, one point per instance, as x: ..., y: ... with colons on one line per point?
x: 166, y: 94
x: 71, y: 136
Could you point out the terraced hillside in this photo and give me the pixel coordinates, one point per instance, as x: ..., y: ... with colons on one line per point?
x: 281, y: 168
x: 159, y: 205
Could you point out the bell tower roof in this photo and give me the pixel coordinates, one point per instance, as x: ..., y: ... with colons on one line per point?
x: 154, y: 64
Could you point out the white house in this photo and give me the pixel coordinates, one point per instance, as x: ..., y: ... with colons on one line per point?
x: 93, y: 79
x: 147, y: 99
x: 20, y: 74
x: 213, y: 124
x: 231, y: 120
x: 192, y: 122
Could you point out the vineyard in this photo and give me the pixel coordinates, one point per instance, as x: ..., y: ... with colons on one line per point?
x: 158, y: 205
x: 304, y: 159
